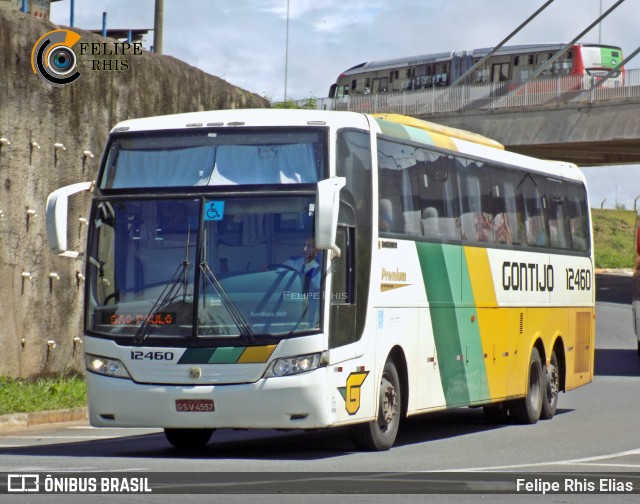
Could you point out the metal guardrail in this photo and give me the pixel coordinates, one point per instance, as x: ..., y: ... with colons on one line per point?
x: 498, y: 95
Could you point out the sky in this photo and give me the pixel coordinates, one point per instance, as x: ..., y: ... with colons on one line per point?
x: 245, y: 41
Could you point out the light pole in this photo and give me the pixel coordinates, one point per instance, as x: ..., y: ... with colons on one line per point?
x: 286, y: 54
x: 600, y: 26
x: 157, y: 26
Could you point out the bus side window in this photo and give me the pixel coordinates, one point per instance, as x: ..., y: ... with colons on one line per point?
x: 392, y: 184
x: 353, y: 161
x: 535, y: 213
x: 438, y: 201
x: 343, y: 268
x: 342, y: 325
x: 558, y: 217
x: 508, y: 224
x: 578, y: 217
x: 476, y: 217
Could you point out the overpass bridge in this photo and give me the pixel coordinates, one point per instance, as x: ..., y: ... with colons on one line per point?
x: 562, y: 118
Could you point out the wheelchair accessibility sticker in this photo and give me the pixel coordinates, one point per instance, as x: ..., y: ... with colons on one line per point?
x: 214, y: 210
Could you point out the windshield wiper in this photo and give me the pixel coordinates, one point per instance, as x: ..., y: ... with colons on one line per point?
x: 236, y: 315
x: 179, y: 280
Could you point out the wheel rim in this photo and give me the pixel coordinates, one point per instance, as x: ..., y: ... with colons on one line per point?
x: 553, y: 383
x: 388, y: 405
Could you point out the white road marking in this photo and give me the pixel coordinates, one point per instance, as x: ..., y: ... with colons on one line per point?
x: 586, y: 461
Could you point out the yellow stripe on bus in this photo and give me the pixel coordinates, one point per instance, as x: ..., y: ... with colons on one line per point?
x: 484, y: 293
x: 493, y: 324
x: 440, y: 131
x: 442, y: 141
x: 256, y: 355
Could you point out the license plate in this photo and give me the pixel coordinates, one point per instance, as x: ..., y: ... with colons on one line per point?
x: 194, y: 405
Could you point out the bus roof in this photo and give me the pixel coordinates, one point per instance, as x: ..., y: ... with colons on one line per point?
x: 247, y: 118
x: 289, y: 117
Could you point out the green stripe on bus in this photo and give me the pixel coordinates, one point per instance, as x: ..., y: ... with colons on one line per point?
x: 196, y: 355
x: 227, y: 355
x: 454, y: 319
x: 475, y: 362
x: 435, y: 272
x: 399, y: 131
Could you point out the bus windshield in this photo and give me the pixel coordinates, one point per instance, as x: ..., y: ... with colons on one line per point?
x: 214, y: 158
x: 202, y: 267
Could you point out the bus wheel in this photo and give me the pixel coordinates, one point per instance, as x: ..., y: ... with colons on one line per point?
x: 527, y: 410
x: 551, y: 389
x: 188, y: 438
x: 381, y: 433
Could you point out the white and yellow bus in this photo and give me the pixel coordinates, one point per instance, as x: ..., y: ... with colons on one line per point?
x: 298, y: 269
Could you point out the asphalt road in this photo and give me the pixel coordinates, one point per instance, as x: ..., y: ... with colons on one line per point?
x: 594, y: 433
x: 613, y: 288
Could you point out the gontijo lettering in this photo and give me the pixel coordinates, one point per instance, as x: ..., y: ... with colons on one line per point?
x: 522, y: 276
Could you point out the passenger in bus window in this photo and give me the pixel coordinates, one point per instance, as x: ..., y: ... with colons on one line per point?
x: 483, y: 227
x: 501, y: 230
x: 386, y: 216
x: 429, y: 222
x: 577, y: 237
x: 537, y: 234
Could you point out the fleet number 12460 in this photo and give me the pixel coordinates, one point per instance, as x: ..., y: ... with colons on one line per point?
x: 578, y: 279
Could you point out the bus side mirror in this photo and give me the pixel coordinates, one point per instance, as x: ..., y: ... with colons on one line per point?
x: 56, y: 217
x: 326, y: 213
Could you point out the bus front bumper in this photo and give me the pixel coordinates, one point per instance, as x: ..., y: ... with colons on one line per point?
x: 294, y: 402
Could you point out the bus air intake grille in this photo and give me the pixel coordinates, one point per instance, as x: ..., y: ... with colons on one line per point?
x: 583, y: 341
x: 521, y: 323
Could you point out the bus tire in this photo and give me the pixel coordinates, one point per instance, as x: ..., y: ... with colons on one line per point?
x: 551, y: 389
x: 380, y: 434
x: 527, y: 410
x: 188, y: 439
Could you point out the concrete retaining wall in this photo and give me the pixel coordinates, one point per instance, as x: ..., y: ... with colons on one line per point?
x: 41, y: 315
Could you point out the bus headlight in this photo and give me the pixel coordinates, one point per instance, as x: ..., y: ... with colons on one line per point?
x: 106, y: 366
x: 295, y: 365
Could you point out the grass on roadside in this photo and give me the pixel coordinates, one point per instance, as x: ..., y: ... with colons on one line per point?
x: 614, y: 237
x: 41, y: 394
